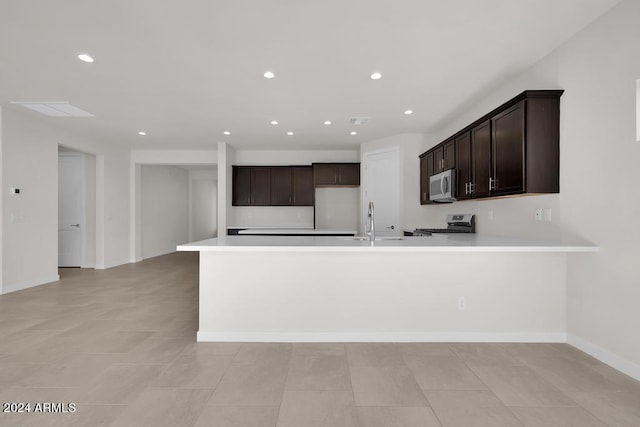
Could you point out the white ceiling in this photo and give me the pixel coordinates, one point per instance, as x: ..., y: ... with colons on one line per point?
x: 185, y: 71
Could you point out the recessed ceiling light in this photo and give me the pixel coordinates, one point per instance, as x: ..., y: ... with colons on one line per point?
x: 353, y: 133
x: 376, y: 76
x: 290, y: 133
x: 85, y: 57
x: 226, y: 132
x: 142, y: 133
x: 274, y: 122
x: 268, y: 75
x: 408, y: 112
x: 328, y: 122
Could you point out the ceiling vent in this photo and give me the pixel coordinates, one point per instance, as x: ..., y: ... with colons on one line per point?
x: 359, y: 120
x: 54, y: 109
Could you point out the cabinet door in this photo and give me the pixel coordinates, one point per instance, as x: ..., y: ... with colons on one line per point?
x: 325, y: 174
x: 449, y: 155
x: 463, y: 166
x: 438, y: 159
x: 426, y: 170
x: 349, y: 174
x: 303, y: 191
x: 281, y: 186
x: 481, y: 159
x: 241, y: 186
x: 508, y: 151
x: 260, y: 186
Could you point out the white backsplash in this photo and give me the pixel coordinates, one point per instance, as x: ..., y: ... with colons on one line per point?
x: 273, y: 216
x: 337, y: 208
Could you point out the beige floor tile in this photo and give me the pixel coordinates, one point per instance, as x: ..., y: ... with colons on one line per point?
x: 571, y: 375
x: 317, y: 409
x: 385, y: 386
x: 238, y: 416
x: 251, y: 353
x: 443, y: 373
x: 484, y: 354
x: 30, y: 394
x: 318, y: 349
x: 74, y: 370
x: 120, y: 384
x: 383, y: 416
x: 12, y: 373
x: 157, y: 351
x: 194, y: 371
x: 557, y: 417
x: 213, y: 348
x: 251, y: 384
x: 374, y: 354
x: 84, y: 415
x: 620, y: 409
x: 318, y: 373
x: 426, y: 349
x: 470, y: 408
x: 169, y: 407
x: 521, y: 386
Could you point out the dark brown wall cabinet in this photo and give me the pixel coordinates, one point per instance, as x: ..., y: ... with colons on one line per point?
x: 336, y: 174
x: 272, y: 186
x: 514, y: 149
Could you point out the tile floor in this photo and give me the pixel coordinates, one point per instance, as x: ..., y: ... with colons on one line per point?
x: 120, y: 344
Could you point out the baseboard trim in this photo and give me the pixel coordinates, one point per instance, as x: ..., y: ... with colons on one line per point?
x: 605, y: 356
x: 525, y: 337
x: 13, y: 287
x: 111, y: 265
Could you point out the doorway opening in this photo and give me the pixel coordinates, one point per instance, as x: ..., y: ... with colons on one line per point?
x: 76, y: 208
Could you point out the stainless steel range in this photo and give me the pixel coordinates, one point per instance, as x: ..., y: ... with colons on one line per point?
x: 456, y: 223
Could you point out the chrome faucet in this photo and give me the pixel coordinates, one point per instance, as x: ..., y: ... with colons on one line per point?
x: 371, y: 227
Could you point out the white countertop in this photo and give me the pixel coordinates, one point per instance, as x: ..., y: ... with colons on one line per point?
x: 271, y: 231
x: 434, y: 243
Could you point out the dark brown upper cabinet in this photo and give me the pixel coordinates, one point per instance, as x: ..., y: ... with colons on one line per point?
x: 513, y: 149
x: 261, y: 186
x: 463, y: 166
x: 241, y: 192
x: 481, y: 160
x: 273, y: 186
x: 426, y: 170
x: 303, y: 190
x: 336, y: 174
x: 444, y: 156
x: 281, y: 186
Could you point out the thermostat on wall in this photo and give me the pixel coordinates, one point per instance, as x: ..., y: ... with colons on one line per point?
x: 13, y: 190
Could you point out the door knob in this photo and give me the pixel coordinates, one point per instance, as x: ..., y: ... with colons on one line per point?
x: 392, y: 227
x: 75, y: 225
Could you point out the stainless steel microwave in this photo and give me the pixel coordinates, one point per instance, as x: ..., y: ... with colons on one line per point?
x: 442, y: 187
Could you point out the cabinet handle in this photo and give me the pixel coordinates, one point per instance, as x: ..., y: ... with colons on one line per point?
x: 466, y: 188
x: 471, y: 189
x: 492, y: 185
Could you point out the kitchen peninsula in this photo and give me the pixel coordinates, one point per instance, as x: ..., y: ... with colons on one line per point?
x: 332, y: 289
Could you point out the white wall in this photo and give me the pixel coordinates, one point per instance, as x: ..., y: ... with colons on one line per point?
x: 203, y: 204
x: 165, y: 209
x: 597, y: 68
x: 29, y: 161
x: 90, y: 211
x: 337, y: 208
x: 155, y: 157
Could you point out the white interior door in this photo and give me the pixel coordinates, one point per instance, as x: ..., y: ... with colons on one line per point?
x: 70, y: 209
x: 381, y: 182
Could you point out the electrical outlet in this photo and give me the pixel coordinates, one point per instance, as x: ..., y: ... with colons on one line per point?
x: 462, y: 303
x: 538, y: 214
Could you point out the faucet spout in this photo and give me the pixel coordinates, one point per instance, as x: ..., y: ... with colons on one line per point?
x: 371, y: 223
